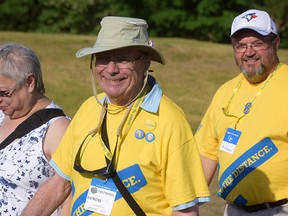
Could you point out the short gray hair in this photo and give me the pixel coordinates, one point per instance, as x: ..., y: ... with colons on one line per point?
x: 17, y: 62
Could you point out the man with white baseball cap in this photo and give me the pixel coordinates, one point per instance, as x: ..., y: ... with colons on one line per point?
x: 244, y: 131
x: 129, y: 150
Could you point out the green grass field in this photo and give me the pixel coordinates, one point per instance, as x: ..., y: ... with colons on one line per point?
x: 193, y: 72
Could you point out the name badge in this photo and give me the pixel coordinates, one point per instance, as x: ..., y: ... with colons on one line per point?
x: 101, y: 196
x: 230, y: 140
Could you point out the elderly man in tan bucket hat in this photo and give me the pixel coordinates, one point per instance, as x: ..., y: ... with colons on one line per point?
x: 129, y: 150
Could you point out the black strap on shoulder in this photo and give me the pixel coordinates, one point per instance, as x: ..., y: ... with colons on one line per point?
x: 119, y: 184
x: 34, y: 121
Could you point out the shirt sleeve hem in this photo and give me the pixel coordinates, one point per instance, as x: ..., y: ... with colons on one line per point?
x: 58, y: 170
x: 197, y: 201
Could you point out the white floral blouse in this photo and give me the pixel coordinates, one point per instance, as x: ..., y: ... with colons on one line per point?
x: 23, y: 168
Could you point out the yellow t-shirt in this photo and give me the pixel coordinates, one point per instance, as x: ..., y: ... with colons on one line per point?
x: 158, y: 161
x: 256, y: 171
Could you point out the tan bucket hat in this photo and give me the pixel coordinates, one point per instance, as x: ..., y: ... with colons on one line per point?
x: 122, y: 32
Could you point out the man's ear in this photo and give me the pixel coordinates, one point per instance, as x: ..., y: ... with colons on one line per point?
x: 277, y: 40
x: 147, y: 65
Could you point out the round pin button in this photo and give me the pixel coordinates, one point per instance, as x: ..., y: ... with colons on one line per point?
x: 139, y: 134
x: 150, y: 125
x: 150, y: 137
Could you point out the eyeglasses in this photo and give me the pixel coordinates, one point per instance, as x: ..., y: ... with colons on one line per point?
x: 102, y: 172
x: 121, y: 61
x: 7, y: 93
x: 256, y: 46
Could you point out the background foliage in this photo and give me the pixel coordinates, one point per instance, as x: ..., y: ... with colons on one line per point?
x: 208, y: 20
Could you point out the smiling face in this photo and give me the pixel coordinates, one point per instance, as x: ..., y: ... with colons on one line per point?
x: 255, y: 55
x: 120, y: 73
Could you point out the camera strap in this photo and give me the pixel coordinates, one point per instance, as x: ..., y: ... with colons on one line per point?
x: 118, y: 182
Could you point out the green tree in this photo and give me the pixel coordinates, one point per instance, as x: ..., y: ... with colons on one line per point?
x: 197, y: 19
x: 19, y: 15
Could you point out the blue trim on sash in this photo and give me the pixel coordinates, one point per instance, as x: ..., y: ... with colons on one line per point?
x: 240, y: 200
x: 245, y: 164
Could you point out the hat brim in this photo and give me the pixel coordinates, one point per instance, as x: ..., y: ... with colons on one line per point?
x: 259, y: 31
x: 155, y: 54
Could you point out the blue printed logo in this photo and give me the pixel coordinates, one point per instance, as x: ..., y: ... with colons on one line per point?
x: 133, y: 179
x: 245, y: 164
x: 232, y: 136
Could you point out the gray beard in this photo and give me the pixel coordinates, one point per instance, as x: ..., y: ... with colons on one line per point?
x: 257, y: 73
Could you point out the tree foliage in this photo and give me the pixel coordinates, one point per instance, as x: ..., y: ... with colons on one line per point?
x: 197, y: 19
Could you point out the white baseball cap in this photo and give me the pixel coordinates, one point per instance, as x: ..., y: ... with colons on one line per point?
x: 256, y: 20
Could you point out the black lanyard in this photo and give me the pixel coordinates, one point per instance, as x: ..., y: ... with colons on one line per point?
x: 109, y: 171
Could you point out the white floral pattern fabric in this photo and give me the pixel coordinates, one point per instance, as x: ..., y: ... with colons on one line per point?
x: 23, y: 168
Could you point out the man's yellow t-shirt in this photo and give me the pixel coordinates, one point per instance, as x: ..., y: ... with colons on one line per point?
x: 158, y: 159
x: 255, y: 171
